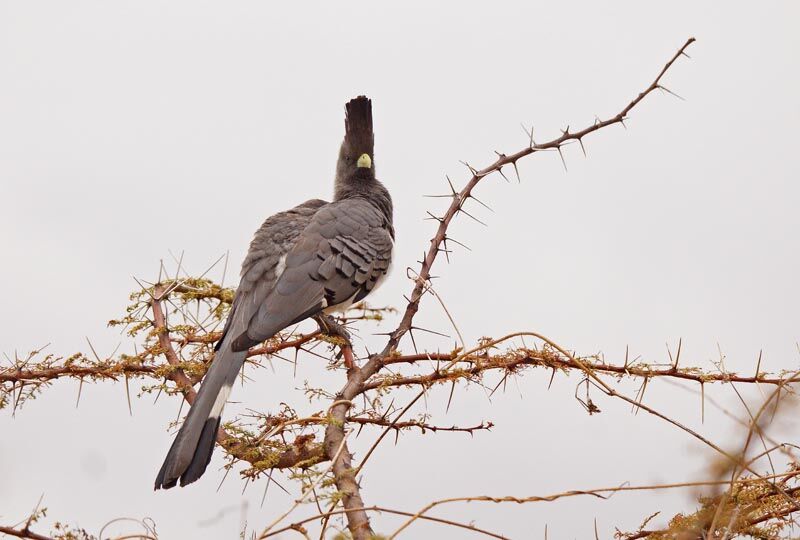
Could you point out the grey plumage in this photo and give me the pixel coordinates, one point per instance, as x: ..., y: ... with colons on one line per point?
x: 314, y: 258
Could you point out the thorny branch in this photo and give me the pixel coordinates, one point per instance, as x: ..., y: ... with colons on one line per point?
x: 24, y: 532
x: 62, y: 531
x: 358, y: 521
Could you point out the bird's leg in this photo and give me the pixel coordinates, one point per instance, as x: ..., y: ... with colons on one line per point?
x: 329, y: 326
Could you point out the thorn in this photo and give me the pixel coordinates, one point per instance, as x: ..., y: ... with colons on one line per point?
x: 440, y: 220
x: 473, y: 197
x: 263, y: 497
x: 224, y: 269
x: 702, y: 402
x: 429, y: 331
x: 560, y: 153
x: 128, y: 394
x: 449, y: 399
x: 622, y: 121
x: 144, y: 289
x: 413, y: 341
x: 514, y: 163
x: 94, y: 352
x: 668, y: 91
x: 552, y: 376
x: 80, y: 389
x: 580, y: 140
x: 460, y: 244
x: 531, y: 142
x: 446, y: 251
x: 640, y: 396
x: 455, y: 193
x: 500, y: 170
x: 758, y: 364
x: 471, y: 169
x: 501, y: 381
x: 473, y: 217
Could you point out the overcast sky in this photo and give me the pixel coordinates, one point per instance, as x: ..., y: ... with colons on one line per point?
x: 129, y: 130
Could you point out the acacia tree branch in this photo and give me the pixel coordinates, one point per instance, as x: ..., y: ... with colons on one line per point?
x: 602, y: 493
x: 503, y: 160
x: 298, y: 525
x: 550, y: 359
x: 133, y: 365
x: 422, y: 426
x: 25, y: 532
x: 358, y: 521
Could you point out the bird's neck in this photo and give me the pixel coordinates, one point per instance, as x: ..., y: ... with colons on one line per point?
x: 365, y: 188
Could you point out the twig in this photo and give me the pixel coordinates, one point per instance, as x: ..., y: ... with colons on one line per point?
x: 309, y: 490
x: 602, y: 493
x: 25, y: 532
x: 379, y: 509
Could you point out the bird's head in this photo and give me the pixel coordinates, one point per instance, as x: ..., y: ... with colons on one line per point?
x: 356, y: 158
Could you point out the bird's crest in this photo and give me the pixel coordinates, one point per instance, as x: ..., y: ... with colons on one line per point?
x: 358, y: 126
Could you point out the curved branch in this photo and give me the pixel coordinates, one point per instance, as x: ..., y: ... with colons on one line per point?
x: 334, y: 434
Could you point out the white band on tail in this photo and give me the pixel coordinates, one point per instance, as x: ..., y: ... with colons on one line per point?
x: 219, y: 404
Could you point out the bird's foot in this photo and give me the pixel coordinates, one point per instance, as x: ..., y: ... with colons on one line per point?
x: 331, y: 328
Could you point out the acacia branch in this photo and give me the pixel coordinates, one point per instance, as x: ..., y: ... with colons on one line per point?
x: 25, y: 532
x: 422, y: 426
x: 358, y: 522
x: 298, y: 525
x: 601, y: 493
x: 503, y: 160
x: 523, y: 357
x: 133, y: 365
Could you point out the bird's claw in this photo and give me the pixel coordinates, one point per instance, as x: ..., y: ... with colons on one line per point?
x: 329, y: 327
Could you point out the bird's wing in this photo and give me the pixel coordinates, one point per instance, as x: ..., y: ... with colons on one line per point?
x: 339, y: 257
x: 262, y: 265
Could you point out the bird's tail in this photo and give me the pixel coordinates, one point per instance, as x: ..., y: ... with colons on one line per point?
x: 191, y: 450
x: 358, y: 134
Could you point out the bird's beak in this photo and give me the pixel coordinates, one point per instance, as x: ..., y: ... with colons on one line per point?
x: 364, y: 161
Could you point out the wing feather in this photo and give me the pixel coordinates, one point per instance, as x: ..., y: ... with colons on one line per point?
x: 341, y: 255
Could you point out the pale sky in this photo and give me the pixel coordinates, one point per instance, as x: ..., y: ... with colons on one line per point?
x: 129, y: 130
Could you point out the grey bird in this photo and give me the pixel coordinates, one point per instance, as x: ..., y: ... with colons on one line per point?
x: 309, y: 261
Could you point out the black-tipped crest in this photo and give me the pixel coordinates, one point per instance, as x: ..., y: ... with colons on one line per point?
x: 358, y: 136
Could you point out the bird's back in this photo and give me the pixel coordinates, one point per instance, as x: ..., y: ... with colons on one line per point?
x: 265, y: 260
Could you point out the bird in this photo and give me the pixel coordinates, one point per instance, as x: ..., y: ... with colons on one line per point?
x: 307, y: 262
